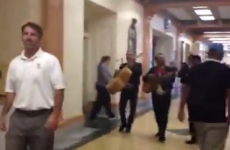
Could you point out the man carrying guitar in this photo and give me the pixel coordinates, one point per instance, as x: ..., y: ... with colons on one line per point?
x: 164, y: 77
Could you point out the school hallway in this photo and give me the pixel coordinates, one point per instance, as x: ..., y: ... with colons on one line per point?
x: 142, y: 136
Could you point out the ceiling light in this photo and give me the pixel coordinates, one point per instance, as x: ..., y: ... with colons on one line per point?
x: 219, y: 39
x: 207, y: 18
x: 203, y: 12
x: 199, y: 7
x: 224, y: 32
x: 222, y: 42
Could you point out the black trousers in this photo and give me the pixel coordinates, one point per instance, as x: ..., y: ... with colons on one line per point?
x: 130, y: 96
x: 103, y: 100
x: 192, y: 130
x: 161, y: 105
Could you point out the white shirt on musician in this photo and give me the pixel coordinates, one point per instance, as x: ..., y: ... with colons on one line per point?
x: 34, y: 80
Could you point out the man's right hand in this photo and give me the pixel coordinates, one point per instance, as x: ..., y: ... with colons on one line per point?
x: 181, y: 115
x: 3, y: 124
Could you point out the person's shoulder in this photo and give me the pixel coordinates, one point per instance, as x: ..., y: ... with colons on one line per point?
x: 48, y: 57
x: 15, y: 61
x: 170, y: 68
x: 138, y: 64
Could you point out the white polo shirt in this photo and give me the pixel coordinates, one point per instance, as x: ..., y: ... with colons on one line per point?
x: 34, y: 80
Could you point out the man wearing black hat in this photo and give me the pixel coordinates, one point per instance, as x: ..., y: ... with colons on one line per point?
x: 205, y: 89
x: 130, y: 92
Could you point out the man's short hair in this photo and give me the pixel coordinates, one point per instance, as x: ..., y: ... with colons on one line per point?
x: 34, y: 26
x: 196, y: 57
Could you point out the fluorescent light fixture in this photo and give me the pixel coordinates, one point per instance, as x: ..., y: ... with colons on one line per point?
x: 219, y: 39
x: 216, y: 32
x: 228, y: 54
x: 207, y: 18
x: 201, y: 12
x: 199, y: 7
x: 222, y: 42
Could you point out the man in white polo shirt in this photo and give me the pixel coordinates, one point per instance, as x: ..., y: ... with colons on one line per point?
x: 35, y: 88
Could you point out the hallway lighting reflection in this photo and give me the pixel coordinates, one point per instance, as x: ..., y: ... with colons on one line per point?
x: 207, y: 18
x: 222, y: 42
x: 199, y: 7
x: 202, y: 12
x: 218, y: 32
x: 219, y: 39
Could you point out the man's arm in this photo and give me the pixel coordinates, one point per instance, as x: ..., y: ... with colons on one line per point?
x: 139, y: 69
x: 227, y: 79
x: 146, y: 76
x: 57, y: 81
x: 185, y: 89
x: 10, y: 91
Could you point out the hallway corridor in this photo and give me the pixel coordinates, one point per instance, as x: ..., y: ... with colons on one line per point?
x: 143, y: 138
x: 103, y: 134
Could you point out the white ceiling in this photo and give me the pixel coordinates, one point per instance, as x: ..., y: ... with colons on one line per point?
x: 187, y: 14
x: 93, y: 10
x: 224, y: 12
x: 180, y: 13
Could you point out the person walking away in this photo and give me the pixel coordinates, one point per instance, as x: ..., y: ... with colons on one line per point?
x: 103, y: 96
x: 194, y: 60
x: 205, y: 89
x: 130, y: 93
x: 35, y: 87
x: 161, y: 97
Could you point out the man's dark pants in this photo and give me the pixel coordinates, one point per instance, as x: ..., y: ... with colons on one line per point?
x: 161, y: 105
x: 130, y: 96
x: 27, y: 129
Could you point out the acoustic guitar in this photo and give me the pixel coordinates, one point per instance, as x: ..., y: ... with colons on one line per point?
x: 119, y: 82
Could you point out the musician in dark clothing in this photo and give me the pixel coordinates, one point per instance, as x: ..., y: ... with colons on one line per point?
x: 130, y: 93
x: 161, y: 97
x: 194, y: 60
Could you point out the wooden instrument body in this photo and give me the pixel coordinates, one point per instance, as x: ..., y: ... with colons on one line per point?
x: 150, y: 86
x: 119, y: 82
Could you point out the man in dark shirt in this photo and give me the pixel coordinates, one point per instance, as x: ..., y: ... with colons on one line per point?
x: 204, y: 90
x: 130, y: 93
x: 161, y: 97
x: 193, y: 60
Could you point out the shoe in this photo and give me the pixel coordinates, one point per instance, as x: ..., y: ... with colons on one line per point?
x: 128, y: 129
x: 190, y: 142
x: 112, y: 118
x: 157, y: 134
x: 122, y: 128
x: 162, y: 139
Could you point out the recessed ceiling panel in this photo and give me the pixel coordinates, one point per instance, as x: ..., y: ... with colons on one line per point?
x: 180, y: 14
x: 224, y: 12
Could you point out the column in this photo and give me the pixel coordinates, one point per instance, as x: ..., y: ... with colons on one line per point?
x: 73, y: 39
x: 146, y: 49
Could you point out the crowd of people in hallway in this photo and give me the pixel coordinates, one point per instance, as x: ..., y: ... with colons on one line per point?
x: 35, y: 88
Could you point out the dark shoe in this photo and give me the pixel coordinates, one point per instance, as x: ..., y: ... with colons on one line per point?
x: 162, y: 139
x: 190, y: 142
x: 122, y: 128
x: 112, y: 118
x: 157, y: 134
x: 92, y: 118
x: 128, y: 129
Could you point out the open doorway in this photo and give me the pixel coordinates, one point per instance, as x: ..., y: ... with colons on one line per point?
x: 162, y: 43
x: 99, y: 40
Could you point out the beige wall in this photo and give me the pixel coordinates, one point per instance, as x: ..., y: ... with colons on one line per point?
x: 73, y: 38
x: 73, y: 29
x: 12, y: 18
